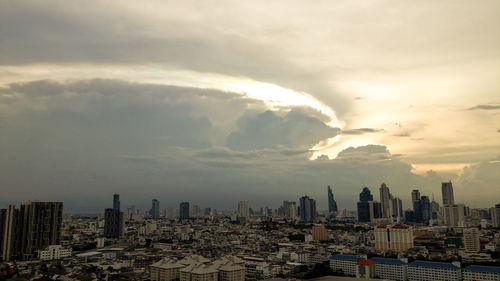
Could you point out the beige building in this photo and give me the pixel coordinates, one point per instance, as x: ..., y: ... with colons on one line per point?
x: 471, y: 240
x: 319, y: 233
x: 198, y: 268
x: 393, y: 238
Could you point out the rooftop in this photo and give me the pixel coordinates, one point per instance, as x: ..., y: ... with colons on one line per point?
x: 481, y: 268
x: 434, y: 264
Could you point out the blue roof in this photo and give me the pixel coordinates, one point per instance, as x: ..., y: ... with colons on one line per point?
x: 434, y: 264
x: 345, y: 257
x: 482, y: 268
x: 389, y: 261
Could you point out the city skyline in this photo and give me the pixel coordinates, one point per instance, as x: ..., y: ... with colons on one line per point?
x: 176, y: 100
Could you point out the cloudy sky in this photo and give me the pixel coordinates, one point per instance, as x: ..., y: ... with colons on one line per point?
x: 214, y: 102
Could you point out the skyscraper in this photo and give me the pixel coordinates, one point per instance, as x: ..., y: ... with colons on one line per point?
x: 364, y: 206
x: 332, y: 205
x: 425, y: 209
x: 113, y: 219
x: 116, y: 201
x: 385, y: 200
x: 307, y: 209
x: 184, y: 210
x: 38, y: 226
x: 243, y: 211
x: 8, y: 220
x: 447, y: 190
x: 495, y: 215
x: 155, y: 209
x: 415, y: 199
x: 290, y: 209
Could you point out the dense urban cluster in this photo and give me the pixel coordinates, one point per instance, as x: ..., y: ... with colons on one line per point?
x: 295, y: 241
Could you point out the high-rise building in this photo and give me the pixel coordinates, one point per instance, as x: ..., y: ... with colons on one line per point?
x: 243, y: 210
x: 8, y: 220
x: 375, y: 210
x: 116, y: 201
x: 385, y: 200
x: 290, y: 209
x: 396, y: 209
x: 471, y: 240
x: 155, y: 209
x: 425, y: 209
x: 447, y: 190
x: 113, y: 219
x: 363, y: 206
x: 319, y: 233
x: 393, y: 238
x: 113, y: 223
x: 38, y: 226
x: 415, y: 199
x: 169, y: 213
x: 454, y: 215
x: 184, y: 210
x: 307, y: 209
x: 332, y: 205
x: 495, y: 215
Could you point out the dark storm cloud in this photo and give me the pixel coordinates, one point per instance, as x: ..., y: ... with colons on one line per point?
x: 268, y: 130
x: 485, y: 107
x: 86, y: 139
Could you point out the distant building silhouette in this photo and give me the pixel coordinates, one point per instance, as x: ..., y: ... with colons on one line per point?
x: 364, y: 206
x: 243, y: 210
x: 332, y: 205
x: 116, y: 201
x: 307, y: 209
x: 184, y: 210
x: 155, y: 209
x: 447, y: 192
x: 113, y: 219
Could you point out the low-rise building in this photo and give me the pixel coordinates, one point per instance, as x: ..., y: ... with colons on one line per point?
x: 425, y: 270
x: 391, y: 269
x: 344, y: 263
x: 54, y: 252
x: 483, y: 273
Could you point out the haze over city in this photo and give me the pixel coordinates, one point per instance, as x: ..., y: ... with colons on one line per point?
x: 214, y: 102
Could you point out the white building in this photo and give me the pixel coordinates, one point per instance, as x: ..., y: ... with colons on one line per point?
x: 483, y: 273
x: 344, y: 263
x: 390, y: 269
x: 54, y: 252
x: 243, y: 210
x: 393, y: 238
x: 436, y: 271
x: 471, y: 240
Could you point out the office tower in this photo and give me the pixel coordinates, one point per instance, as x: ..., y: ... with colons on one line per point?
x: 415, y: 199
x: 8, y: 220
x: 332, y: 205
x: 319, y: 233
x: 155, y: 209
x: 425, y: 209
x: 116, y: 201
x: 184, y: 210
x: 307, y: 209
x: 434, y: 210
x: 495, y: 215
x: 243, y: 211
x: 169, y: 213
x: 393, y: 238
x: 290, y: 209
x: 396, y: 209
x: 471, y: 240
x: 363, y: 206
x: 113, y: 223
x: 375, y: 210
x: 385, y: 200
x: 454, y: 215
x: 447, y: 190
x: 38, y: 226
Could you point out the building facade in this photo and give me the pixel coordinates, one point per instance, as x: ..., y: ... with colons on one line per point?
x: 393, y: 238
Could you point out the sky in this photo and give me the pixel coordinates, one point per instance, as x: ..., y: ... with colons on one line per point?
x: 214, y: 102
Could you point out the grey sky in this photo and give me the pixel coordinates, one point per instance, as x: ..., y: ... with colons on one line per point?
x: 217, y: 101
